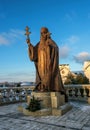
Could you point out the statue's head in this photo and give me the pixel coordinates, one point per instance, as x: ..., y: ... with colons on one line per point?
x: 44, y: 32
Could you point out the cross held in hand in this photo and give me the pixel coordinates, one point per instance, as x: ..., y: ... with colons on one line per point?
x: 27, y: 32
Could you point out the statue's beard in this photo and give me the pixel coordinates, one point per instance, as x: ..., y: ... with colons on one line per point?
x: 42, y: 40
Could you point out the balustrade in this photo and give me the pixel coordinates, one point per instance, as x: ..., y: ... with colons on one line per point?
x: 78, y: 92
x: 14, y: 94
x: 19, y: 94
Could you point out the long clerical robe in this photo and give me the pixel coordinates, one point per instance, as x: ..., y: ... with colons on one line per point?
x: 46, y: 59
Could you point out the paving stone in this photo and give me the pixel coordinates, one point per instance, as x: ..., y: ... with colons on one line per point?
x: 86, y: 128
x: 76, y: 119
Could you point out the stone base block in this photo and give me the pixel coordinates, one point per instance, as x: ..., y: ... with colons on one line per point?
x: 20, y: 108
x: 44, y: 97
x: 62, y: 110
x: 88, y: 100
x: 46, y: 112
x: 57, y: 99
x: 42, y: 112
x: 28, y: 99
x: 52, y: 103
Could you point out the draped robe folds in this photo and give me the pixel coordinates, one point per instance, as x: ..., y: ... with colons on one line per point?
x: 46, y: 59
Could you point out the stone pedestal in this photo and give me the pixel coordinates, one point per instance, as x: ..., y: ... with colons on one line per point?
x: 28, y: 99
x: 52, y: 103
x: 57, y: 99
x: 88, y: 100
x: 45, y: 98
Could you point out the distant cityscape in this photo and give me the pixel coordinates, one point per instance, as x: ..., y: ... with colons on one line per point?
x: 14, y: 84
x: 64, y: 71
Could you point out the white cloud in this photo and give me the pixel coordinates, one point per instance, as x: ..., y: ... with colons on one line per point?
x: 73, y: 39
x: 70, y: 16
x: 64, y: 51
x: 81, y: 57
x: 10, y: 36
x: 3, y: 40
x: 17, y: 77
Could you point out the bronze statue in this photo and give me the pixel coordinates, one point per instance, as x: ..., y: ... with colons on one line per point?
x: 46, y: 58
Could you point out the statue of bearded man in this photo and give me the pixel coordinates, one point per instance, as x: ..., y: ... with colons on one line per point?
x: 46, y: 58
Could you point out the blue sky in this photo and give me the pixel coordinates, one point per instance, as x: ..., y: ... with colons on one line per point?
x: 67, y: 20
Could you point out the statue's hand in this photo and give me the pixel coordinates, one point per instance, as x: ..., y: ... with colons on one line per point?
x: 28, y: 41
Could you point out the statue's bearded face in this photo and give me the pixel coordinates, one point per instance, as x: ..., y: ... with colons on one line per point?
x: 44, y: 32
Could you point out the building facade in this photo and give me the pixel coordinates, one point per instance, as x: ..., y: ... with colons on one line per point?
x: 86, y: 69
x: 64, y: 71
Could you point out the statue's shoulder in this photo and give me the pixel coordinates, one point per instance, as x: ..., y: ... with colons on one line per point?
x: 52, y: 43
x: 37, y: 44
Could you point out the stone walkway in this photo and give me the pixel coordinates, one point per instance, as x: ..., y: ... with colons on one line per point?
x: 76, y: 119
